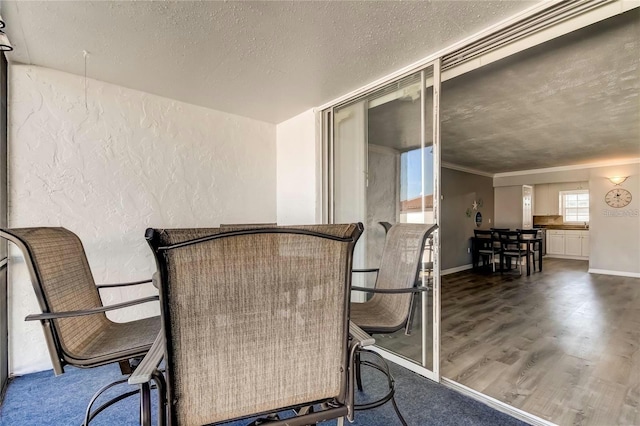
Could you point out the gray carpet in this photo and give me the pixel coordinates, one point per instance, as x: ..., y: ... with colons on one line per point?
x: 43, y: 399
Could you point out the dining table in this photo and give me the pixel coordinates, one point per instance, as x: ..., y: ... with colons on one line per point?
x: 533, y: 245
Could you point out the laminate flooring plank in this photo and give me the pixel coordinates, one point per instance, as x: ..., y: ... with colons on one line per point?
x: 599, y: 401
x: 630, y: 412
x: 556, y: 387
x: 561, y: 344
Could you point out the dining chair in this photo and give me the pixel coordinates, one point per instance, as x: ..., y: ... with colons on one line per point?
x: 76, y: 328
x: 255, y: 322
x: 534, y: 246
x: 512, y: 248
x: 487, y: 246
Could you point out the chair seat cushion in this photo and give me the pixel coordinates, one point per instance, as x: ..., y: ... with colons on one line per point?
x: 129, y: 339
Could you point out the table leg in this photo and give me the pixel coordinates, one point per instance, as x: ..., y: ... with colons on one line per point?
x: 540, y: 256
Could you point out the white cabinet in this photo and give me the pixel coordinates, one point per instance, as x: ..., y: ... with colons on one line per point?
x: 568, y: 243
x: 555, y: 242
x: 585, y: 243
x: 541, y: 200
x: 572, y: 243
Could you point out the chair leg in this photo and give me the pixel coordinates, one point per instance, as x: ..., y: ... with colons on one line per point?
x: 358, y: 372
x: 145, y: 404
x: 161, y: 386
x: 383, y: 367
x: 90, y: 413
x: 412, y: 313
x: 341, y: 421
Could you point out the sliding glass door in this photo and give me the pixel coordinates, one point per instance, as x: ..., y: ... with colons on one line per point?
x: 382, y: 166
x: 4, y: 335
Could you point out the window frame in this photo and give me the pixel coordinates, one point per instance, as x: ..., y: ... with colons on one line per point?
x: 563, y: 208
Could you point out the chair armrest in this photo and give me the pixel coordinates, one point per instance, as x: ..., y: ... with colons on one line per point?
x: 365, y: 270
x: 122, y: 284
x: 359, y: 336
x: 390, y: 290
x: 149, y: 364
x: 97, y: 310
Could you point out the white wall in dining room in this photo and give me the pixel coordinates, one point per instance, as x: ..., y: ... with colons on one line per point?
x: 112, y: 163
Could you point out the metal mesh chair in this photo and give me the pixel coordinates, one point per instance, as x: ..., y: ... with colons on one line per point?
x: 397, y: 282
x: 256, y: 322
x: 75, y: 326
x: 397, y: 279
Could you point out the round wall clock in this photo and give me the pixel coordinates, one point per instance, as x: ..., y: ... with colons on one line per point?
x: 618, y: 198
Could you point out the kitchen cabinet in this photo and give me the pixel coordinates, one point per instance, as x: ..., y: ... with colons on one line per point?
x: 542, y: 202
x: 555, y: 242
x: 585, y: 243
x: 572, y: 243
x: 568, y: 243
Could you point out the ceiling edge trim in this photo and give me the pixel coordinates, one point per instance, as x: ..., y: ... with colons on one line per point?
x: 568, y: 168
x: 464, y: 169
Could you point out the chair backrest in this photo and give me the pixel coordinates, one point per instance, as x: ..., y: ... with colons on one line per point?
x: 399, y: 268
x: 509, y: 240
x: 62, y: 281
x: 255, y: 320
x: 528, y: 233
x: 479, y: 233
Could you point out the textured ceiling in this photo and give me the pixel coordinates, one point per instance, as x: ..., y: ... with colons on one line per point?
x: 573, y: 100
x: 266, y: 60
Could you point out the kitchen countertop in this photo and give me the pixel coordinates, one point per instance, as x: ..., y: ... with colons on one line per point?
x: 565, y: 227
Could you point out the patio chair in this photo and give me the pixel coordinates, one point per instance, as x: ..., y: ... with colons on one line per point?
x: 397, y: 281
x: 256, y: 322
x: 76, y: 328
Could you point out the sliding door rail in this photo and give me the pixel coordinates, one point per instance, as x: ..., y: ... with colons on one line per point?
x: 525, y: 28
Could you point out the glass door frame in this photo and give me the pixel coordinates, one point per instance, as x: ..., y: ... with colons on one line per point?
x: 328, y: 189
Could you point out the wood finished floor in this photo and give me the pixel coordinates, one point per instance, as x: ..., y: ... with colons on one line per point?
x: 561, y: 344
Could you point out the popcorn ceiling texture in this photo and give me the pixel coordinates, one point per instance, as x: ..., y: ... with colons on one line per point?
x: 113, y: 163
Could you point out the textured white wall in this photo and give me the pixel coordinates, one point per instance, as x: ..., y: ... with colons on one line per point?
x: 298, y: 171
x: 109, y: 169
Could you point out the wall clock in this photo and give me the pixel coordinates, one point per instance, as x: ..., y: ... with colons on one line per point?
x: 618, y: 198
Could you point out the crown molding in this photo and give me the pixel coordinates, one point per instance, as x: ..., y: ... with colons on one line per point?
x: 569, y: 168
x: 464, y: 169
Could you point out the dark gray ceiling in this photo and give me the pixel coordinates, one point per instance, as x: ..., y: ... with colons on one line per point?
x: 573, y: 100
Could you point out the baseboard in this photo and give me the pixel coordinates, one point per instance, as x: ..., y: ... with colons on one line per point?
x: 565, y: 256
x: 617, y: 273
x: 456, y: 269
x: 496, y: 404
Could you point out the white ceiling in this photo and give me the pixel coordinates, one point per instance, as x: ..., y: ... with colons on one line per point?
x: 268, y: 60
